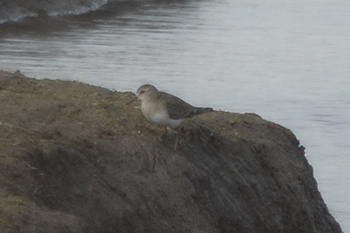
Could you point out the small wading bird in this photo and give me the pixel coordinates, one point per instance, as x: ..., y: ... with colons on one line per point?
x: 165, y: 109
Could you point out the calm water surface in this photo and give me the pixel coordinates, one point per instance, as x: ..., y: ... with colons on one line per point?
x: 287, y: 61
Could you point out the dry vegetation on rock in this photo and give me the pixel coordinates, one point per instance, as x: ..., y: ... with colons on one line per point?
x: 78, y: 158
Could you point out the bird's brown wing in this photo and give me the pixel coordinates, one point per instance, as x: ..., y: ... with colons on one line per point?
x: 177, y: 108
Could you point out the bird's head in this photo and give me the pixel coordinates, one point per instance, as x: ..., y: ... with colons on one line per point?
x: 145, y: 91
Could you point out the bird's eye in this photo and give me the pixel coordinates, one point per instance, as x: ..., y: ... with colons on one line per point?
x: 142, y: 92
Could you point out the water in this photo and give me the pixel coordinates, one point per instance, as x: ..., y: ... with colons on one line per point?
x: 287, y: 61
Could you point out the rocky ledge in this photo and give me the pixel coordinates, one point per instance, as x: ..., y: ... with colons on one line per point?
x: 78, y: 158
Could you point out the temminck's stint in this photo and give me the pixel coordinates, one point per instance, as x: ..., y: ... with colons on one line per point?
x: 165, y: 109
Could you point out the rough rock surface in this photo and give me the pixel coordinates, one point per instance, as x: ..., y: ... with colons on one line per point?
x: 77, y: 158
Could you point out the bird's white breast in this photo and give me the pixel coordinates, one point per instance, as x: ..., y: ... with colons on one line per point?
x: 158, y: 114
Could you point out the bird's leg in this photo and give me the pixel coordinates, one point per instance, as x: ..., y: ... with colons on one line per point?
x: 164, y: 133
x: 178, y: 137
x: 176, y: 142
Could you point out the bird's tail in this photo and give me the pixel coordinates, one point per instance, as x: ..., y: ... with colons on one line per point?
x: 201, y: 111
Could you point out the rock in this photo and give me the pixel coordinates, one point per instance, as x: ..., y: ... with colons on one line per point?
x: 77, y: 158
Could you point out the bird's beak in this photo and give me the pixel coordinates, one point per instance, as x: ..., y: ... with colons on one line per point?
x: 131, y: 101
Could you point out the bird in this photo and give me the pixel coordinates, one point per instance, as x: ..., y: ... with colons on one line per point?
x: 166, y: 109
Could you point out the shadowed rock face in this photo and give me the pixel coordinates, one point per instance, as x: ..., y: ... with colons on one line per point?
x: 77, y: 158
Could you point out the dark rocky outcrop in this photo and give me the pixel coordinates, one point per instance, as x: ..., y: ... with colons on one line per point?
x: 77, y: 158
